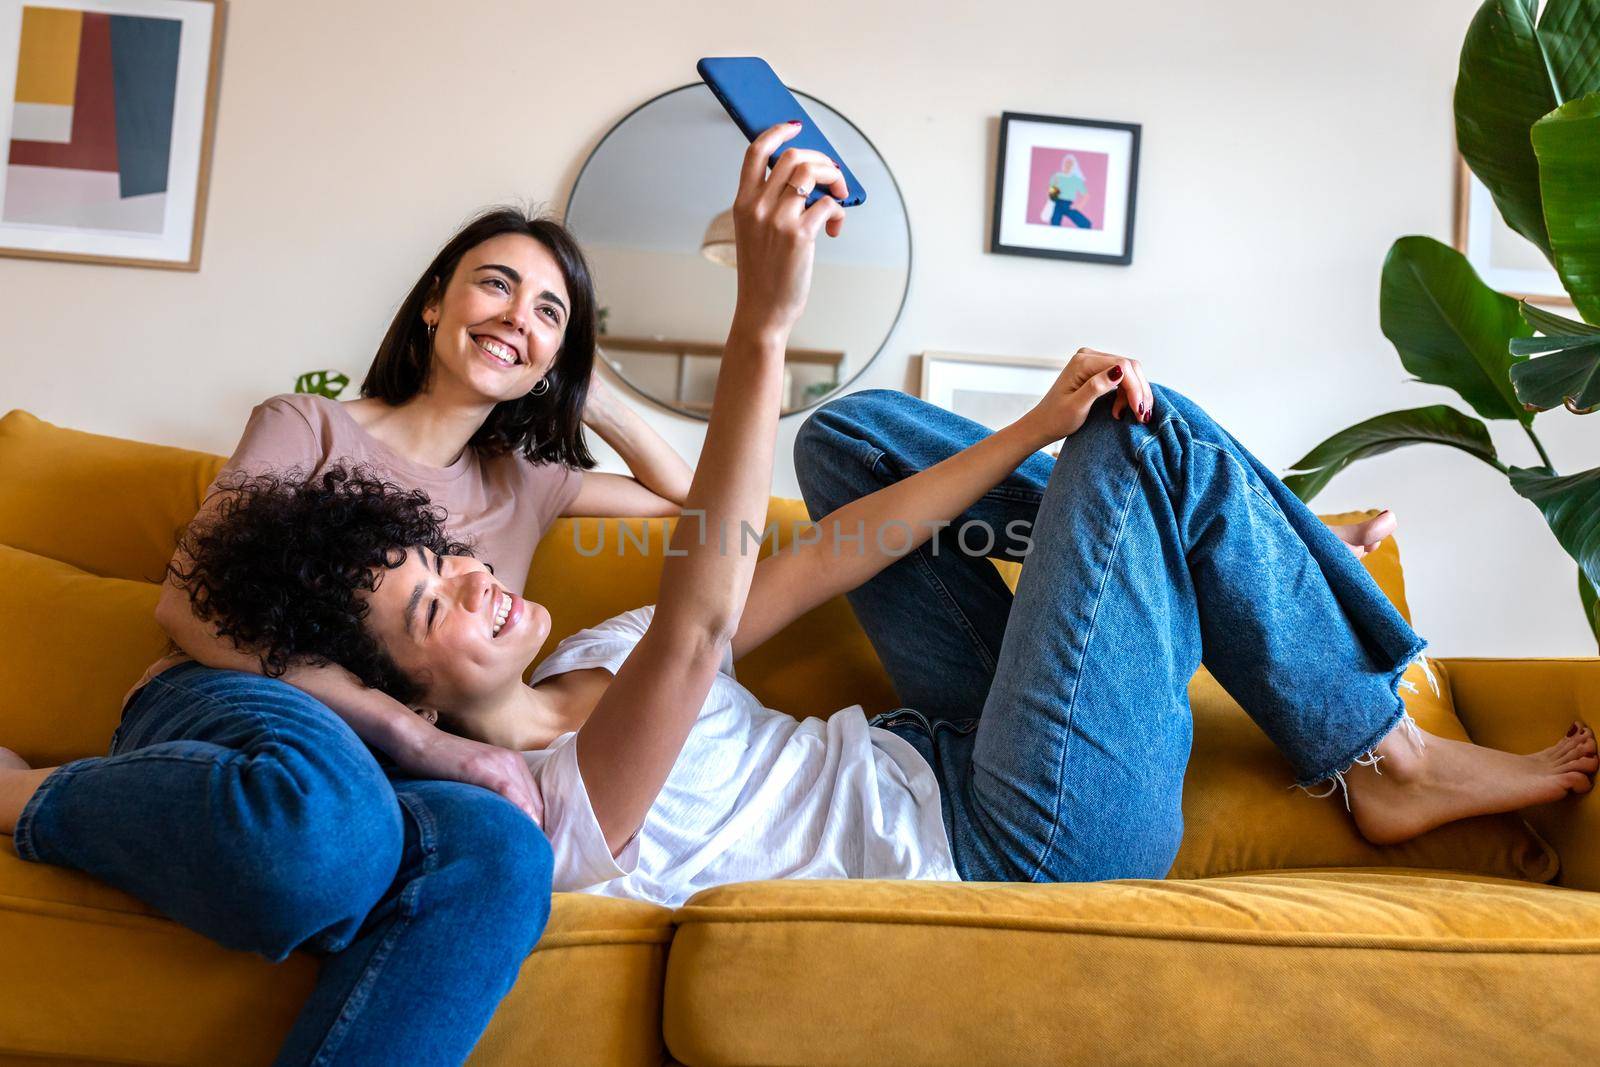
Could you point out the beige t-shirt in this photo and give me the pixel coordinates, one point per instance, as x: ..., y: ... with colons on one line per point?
x: 502, y: 506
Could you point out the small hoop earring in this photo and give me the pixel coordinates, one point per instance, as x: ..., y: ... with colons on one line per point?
x: 541, y: 387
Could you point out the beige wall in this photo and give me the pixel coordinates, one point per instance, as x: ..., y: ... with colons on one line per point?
x: 1285, y: 147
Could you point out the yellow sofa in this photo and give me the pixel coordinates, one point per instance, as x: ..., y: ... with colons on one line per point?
x: 1281, y: 936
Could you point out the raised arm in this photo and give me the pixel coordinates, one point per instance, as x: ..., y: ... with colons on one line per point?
x: 849, y: 549
x: 631, y: 740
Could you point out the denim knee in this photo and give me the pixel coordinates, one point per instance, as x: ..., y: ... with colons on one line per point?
x: 858, y: 412
x: 491, y: 864
x: 315, y: 866
x: 519, y: 868
x: 836, y: 435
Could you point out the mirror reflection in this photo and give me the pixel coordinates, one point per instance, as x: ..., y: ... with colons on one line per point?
x: 652, y: 207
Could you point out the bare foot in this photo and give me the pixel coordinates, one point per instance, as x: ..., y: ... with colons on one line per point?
x: 1364, y: 537
x: 1424, y: 787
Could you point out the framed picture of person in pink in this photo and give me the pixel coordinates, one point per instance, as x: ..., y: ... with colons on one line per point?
x: 1065, y: 188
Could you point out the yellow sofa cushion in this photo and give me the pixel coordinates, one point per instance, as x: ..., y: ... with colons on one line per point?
x: 105, y: 505
x: 127, y: 986
x: 1291, y: 967
x: 71, y: 644
x: 1520, y: 705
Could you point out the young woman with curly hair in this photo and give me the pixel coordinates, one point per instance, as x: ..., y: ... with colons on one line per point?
x: 1061, y: 758
x: 244, y: 801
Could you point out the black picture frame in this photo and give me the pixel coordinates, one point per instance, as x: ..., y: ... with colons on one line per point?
x: 1125, y: 257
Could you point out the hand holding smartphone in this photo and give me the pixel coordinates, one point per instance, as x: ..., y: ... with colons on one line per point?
x: 756, y: 100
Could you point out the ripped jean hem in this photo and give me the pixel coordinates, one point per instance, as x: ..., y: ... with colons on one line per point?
x: 1366, y: 755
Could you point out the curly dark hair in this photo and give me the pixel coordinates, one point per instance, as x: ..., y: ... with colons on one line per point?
x: 280, y: 561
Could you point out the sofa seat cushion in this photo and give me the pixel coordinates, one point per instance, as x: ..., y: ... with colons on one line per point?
x: 90, y: 974
x: 1367, y: 966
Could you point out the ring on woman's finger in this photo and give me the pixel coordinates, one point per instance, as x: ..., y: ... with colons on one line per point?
x: 796, y: 188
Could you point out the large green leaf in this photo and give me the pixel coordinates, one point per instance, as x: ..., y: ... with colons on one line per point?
x: 1438, y: 424
x: 1569, y: 30
x: 1566, y: 372
x: 1591, y: 603
x: 1548, y: 322
x: 1571, y: 505
x: 1449, y: 328
x: 1567, y: 143
x: 1513, y: 73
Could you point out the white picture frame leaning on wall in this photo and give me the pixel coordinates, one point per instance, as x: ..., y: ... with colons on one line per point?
x: 1503, y: 258
x: 991, y: 390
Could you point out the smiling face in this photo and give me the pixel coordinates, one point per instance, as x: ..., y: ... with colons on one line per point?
x: 501, y: 318
x: 446, y: 620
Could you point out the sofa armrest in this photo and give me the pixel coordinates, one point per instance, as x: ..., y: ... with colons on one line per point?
x: 1523, y: 705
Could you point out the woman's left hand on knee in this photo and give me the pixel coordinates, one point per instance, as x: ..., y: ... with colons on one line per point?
x: 1088, y: 376
x: 1135, y: 394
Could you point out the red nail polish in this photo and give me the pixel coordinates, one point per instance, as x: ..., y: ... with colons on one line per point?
x: 1572, y: 729
x: 794, y: 122
x: 1116, y: 374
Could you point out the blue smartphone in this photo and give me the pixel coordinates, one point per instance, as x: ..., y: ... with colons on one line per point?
x: 757, y: 101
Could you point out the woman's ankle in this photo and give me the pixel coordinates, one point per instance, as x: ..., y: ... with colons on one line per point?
x: 1403, y: 752
x: 18, y: 783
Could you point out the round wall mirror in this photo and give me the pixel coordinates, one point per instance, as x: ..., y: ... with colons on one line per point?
x: 652, y: 208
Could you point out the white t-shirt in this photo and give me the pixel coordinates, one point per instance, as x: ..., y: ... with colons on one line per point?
x: 754, y: 794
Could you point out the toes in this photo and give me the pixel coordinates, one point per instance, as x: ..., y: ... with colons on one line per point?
x: 1577, y: 782
x: 1563, y: 750
x: 1380, y: 527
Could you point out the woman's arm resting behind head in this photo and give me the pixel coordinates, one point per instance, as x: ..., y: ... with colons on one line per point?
x: 605, y: 495
x: 660, y: 481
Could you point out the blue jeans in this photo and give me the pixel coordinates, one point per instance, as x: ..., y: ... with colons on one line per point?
x: 246, y: 810
x: 1058, y: 722
x: 1064, y: 207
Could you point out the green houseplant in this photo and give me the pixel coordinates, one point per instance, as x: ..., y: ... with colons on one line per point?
x: 328, y: 383
x: 1527, y: 111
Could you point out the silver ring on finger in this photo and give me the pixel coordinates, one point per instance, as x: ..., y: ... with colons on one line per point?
x: 796, y: 188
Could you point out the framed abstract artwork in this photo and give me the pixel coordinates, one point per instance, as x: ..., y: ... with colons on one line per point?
x: 107, y: 125
x: 1503, y: 258
x: 1065, y: 188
